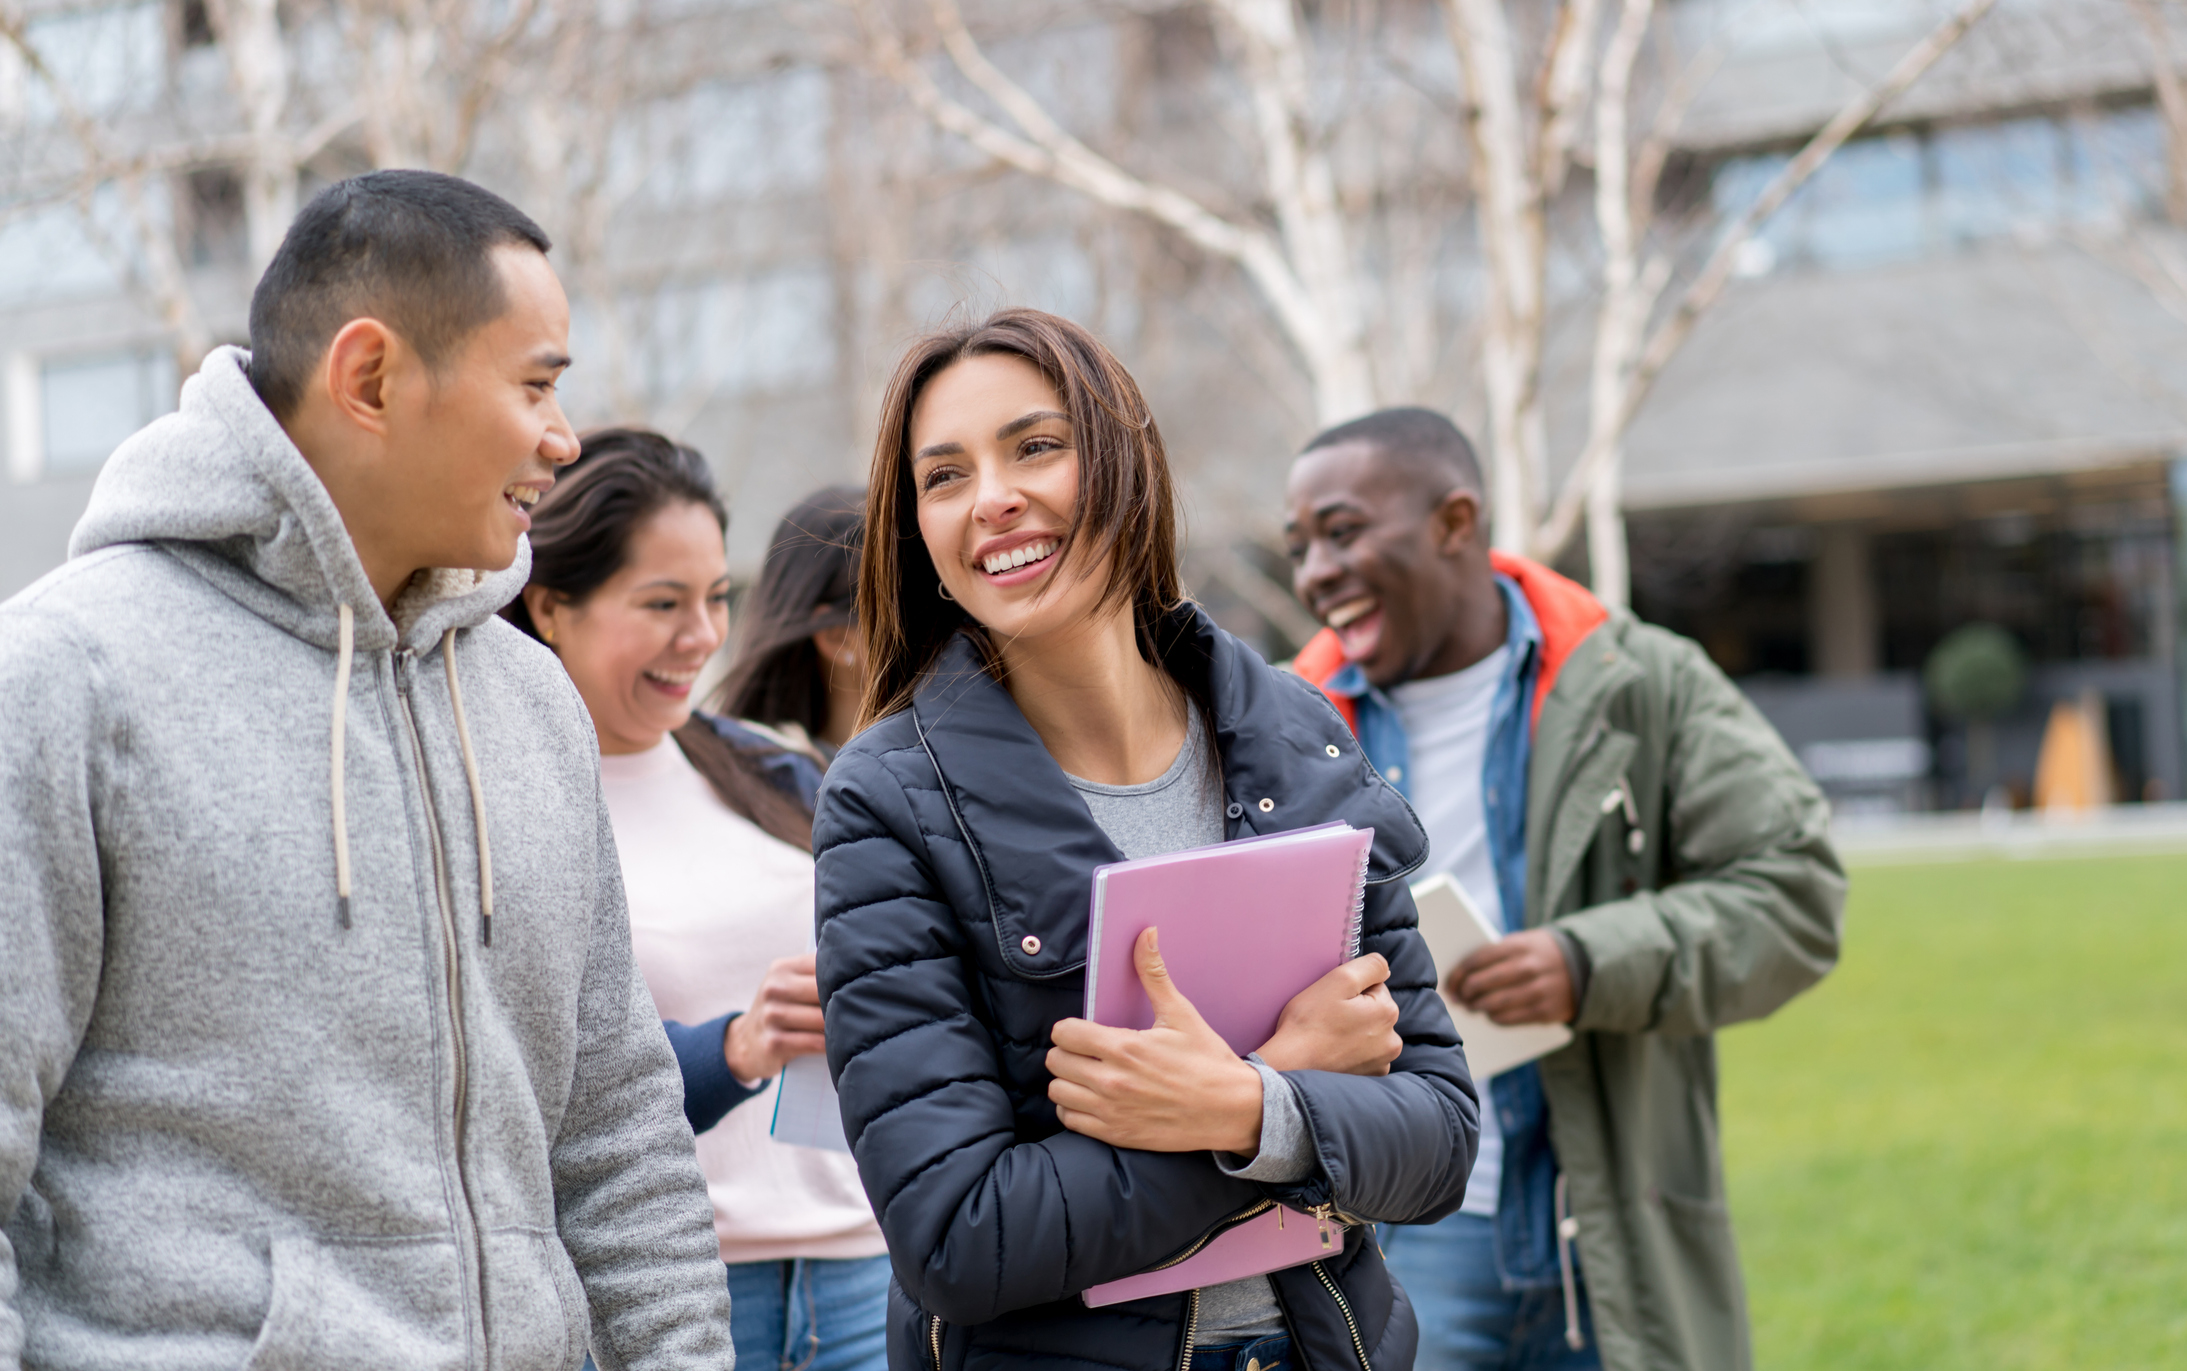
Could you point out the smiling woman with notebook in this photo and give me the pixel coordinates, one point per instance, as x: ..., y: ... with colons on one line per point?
x: 1045, y: 704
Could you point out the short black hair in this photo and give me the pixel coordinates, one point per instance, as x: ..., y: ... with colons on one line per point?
x: 1425, y: 444
x: 413, y: 249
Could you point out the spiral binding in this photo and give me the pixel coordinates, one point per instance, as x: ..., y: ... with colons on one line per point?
x: 1359, y: 899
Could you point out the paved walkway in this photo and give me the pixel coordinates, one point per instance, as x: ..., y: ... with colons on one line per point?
x: 2116, y: 830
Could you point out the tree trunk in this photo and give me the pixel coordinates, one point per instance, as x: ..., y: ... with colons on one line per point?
x: 1303, y: 186
x: 1508, y: 209
x: 258, y: 66
x: 1306, y: 276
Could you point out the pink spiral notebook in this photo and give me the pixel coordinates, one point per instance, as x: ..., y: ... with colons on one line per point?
x: 1245, y: 926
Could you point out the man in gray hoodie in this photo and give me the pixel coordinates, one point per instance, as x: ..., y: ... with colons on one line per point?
x: 320, y: 1040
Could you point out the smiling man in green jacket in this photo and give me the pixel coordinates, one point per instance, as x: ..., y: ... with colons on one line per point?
x: 1662, y: 864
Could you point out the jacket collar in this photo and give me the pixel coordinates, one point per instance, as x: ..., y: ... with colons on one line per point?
x: 1566, y: 611
x: 1036, y: 842
x: 1002, y: 788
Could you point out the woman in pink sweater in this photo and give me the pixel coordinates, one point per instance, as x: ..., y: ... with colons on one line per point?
x: 712, y: 821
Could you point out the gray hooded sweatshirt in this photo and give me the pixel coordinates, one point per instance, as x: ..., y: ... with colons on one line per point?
x: 271, y: 1092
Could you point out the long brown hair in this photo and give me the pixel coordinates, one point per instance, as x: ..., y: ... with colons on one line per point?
x: 808, y: 583
x: 1126, y: 504
x: 581, y: 536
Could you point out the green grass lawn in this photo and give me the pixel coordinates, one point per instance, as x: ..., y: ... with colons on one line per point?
x: 1968, y: 1146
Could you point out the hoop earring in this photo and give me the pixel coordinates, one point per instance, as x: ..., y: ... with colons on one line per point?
x: 943, y: 591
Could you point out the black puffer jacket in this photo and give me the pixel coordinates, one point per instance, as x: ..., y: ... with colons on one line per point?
x: 948, y: 841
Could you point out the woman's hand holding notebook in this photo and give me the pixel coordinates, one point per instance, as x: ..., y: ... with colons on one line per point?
x: 1174, y: 1086
x: 1245, y: 927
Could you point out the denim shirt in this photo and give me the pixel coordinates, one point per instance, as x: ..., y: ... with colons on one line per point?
x: 1526, y: 1248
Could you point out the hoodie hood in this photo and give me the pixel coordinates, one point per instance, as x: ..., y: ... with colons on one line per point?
x: 219, y: 485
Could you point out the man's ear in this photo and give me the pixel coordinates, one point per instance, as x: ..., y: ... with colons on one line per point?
x: 1457, y: 520
x: 359, y: 364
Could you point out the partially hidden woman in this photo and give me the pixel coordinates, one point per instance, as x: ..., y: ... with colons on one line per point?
x: 798, y: 670
x: 1042, y: 700
x: 629, y: 588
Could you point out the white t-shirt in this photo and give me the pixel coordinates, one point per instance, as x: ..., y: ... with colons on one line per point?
x: 713, y: 900
x: 1446, y: 720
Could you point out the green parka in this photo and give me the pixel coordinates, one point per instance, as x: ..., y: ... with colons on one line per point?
x: 1729, y: 908
x: 1672, y: 834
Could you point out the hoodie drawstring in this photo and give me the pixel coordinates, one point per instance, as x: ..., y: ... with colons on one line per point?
x: 344, y: 656
x: 1567, y: 1230
x: 478, y: 794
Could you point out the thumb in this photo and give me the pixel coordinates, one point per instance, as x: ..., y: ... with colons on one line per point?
x: 1170, y: 1005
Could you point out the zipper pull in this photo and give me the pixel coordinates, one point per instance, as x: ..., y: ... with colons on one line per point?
x: 1321, y: 1214
x: 406, y: 660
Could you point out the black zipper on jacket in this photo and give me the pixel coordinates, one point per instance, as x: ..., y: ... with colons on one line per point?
x: 451, y: 965
x: 1192, y: 1297
x: 1344, y: 1307
x: 1192, y: 1328
x: 1251, y: 1211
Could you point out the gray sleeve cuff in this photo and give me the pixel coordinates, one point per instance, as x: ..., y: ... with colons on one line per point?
x: 1287, y: 1148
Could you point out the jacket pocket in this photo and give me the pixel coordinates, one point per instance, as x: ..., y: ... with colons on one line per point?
x: 362, y: 1306
x: 535, y: 1305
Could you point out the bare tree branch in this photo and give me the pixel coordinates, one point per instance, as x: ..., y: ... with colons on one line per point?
x: 258, y: 67
x: 166, y: 287
x: 1671, y: 334
x: 2172, y: 99
x: 1626, y: 298
x: 1303, y: 187
x: 1564, y: 87
x: 1302, y: 285
x: 1509, y: 208
x: 1655, y: 150
x: 1273, y: 602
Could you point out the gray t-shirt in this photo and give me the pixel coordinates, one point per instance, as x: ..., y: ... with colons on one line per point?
x: 1181, y: 808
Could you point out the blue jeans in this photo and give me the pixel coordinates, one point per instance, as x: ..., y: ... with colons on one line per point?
x: 1468, y: 1320
x: 810, y: 1314
x: 1271, y: 1353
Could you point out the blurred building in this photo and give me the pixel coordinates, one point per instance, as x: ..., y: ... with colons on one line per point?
x: 1950, y: 385
x: 1952, y: 389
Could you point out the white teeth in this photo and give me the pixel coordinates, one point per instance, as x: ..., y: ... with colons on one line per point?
x: 1010, y: 561
x: 527, y: 496
x: 673, y: 677
x: 1349, y: 611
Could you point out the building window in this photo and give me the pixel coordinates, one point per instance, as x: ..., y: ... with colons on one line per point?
x: 1909, y: 194
x: 90, y: 404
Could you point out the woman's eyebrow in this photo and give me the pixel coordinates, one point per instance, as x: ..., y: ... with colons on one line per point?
x: 937, y: 450
x: 1023, y: 422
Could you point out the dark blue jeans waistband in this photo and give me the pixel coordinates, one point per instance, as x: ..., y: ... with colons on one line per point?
x: 1262, y: 1354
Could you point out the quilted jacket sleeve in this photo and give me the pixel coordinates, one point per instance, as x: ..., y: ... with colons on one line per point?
x: 978, y: 1221
x: 1394, y: 1148
x: 1755, y: 919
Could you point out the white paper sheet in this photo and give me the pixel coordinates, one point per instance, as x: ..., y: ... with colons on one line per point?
x: 1453, y: 926
x: 806, y: 1111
